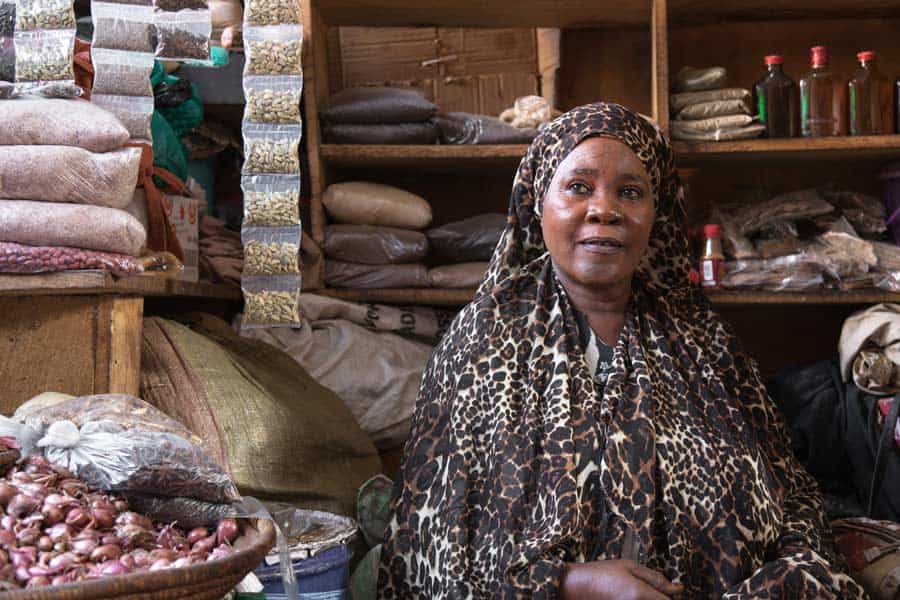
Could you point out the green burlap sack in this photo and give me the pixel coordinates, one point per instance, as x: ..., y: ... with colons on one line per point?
x: 282, y: 436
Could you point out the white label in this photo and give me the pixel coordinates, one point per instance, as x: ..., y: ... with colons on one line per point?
x: 709, y: 275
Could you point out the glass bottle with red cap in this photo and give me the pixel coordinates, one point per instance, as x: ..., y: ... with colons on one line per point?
x: 871, y: 110
x: 823, y: 98
x: 712, y: 263
x: 776, y: 100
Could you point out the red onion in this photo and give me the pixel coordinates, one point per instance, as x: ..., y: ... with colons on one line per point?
x: 84, y: 546
x: 227, y: 531
x: 21, y: 505
x: 63, y: 562
x: 109, y: 538
x: 128, y: 561
x: 141, y: 557
x: 53, y: 514
x: 204, y: 546
x: 197, y: 534
x: 45, y: 544
x: 7, y: 537
x: 132, y: 518
x: 7, y: 491
x: 163, y: 553
x: 19, y: 478
x: 104, y: 518
x: 37, y: 581
x: 77, y: 517
x: 28, y: 536
x: 39, y: 571
x: 23, y: 557
x: 60, y: 531
x: 161, y: 564
x: 221, y: 552
x: 107, y: 552
x: 121, y: 506
x: 7, y: 522
x: 112, y: 567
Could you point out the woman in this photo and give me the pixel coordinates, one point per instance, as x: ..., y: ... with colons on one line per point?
x: 589, y: 428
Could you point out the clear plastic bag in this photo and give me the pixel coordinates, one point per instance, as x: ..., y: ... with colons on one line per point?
x: 272, y: 12
x: 43, y: 56
x: 271, y: 250
x: 690, y: 79
x: 7, y: 18
x: 16, y: 258
x: 68, y: 174
x: 122, y: 73
x: 179, y: 5
x: 718, y: 135
x: 60, y: 122
x: 187, y: 512
x: 465, y: 128
x: 679, y: 101
x: 7, y: 60
x: 34, y: 15
x: 122, y: 27
x: 135, y: 112
x: 786, y: 273
x: 273, y: 99
x: 274, y: 50
x: 792, y: 206
x: 183, y: 35
x: 271, y: 149
x: 378, y: 106
x: 271, y: 200
x: 374, y: 245
x: 699, y: 126
x: 271, y: 301
x: 843, y: 256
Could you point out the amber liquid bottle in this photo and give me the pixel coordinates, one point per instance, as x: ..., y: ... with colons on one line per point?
x: 871, y: 99
x: 823, y: 98
x: 776, y: 100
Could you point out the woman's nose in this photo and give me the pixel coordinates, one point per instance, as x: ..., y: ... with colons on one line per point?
x: 602, y: 211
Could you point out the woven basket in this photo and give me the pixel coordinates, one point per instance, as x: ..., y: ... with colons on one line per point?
x: 207, y: 581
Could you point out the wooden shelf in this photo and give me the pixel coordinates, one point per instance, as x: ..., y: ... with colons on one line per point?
x: 423, y: 157
x: 792, y: 149
x: 444, y: 297
x: 99, y: 282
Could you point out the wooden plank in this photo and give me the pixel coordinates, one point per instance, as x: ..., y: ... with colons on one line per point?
x: 660, y: 64
x: 315, y: 66
x: 792, y: 149
x: 126, y: 322
x: 404, y: 157
x: 478, y: 13
x: 715, y: 10
x: 411, y: 296
x: 100, y: 282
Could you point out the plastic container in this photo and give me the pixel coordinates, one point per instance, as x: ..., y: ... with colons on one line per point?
x: 327, y: 573
x: 871, y: 99
x: 823, y: 98
x: 712, y: 262
x: 890, y: 178
x: 776, y: 100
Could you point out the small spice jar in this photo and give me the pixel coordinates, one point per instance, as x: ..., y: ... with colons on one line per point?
x: 712, y: 262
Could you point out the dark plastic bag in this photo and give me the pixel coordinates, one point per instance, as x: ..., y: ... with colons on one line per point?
x: 370, y: 245
x: 469, y: 240
x: 465, y: 128
x: 378, y: 105
x: 352, y: 275
x: 400, y: 133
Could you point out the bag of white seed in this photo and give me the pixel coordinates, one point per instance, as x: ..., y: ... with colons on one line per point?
x: 273, y: 50
x: 271, y: 148
x: 271, y: 250
x: 44, y: 57
x: 273, y: 99
x: 271, y: 200
x: 271, y: 301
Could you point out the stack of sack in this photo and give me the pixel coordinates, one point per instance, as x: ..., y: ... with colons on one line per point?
x: 379, y: 115
x: 66, y: 179
x: 704, y: 109
x: 468, y: 246
x: 377, y: 241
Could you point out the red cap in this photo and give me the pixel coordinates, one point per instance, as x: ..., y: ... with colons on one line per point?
x: 818, y: 56
x: 773, y: 59
x: 865, y: 56
x: 712, y: 230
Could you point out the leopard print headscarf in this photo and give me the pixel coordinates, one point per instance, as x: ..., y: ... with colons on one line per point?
x: 517, y: 464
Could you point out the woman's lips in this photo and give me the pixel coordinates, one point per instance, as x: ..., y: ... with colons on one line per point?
x: 602, y: 245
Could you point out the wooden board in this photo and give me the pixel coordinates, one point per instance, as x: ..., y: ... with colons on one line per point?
x: 100, y: 282
x: 416, y: 157
x: 775, y: 152
x: 74, y: 345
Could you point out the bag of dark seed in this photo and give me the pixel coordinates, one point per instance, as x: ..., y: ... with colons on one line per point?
x: 134, y: 112
x: 122, y: 73
x: 183, y: 35
x: 44, y: 56
x: 178, y: 5
x: 122, y: 27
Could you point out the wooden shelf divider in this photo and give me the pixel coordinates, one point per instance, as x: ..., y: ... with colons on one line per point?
x: 73, y: 283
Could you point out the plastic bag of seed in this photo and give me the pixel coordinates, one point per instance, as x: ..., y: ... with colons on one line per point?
x: 7, y: 18
x: 134, y: 112
x: 271, y: 250
x: 33, y: 15
x: 271, y: 148
x: 44, y: 56
x: 183, y: 35
x: 271, y: 200
x: 122, y: 27
x: 177, y: 5
x: 273, y: 50
x: 122, y: 73
x: 271, y: 12
x: 271, y: 301
x: 273, y: 99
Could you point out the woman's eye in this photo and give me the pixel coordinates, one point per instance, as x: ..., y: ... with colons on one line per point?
x: 579, y: 188
x: 632, y: 193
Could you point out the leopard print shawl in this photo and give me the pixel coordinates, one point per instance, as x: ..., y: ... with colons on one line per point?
x: 516, y: 464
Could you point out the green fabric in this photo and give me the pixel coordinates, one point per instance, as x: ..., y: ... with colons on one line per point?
x: 373, y: 508
x: 364, y: 581
x: 168, y: 151
x: 187, y: 115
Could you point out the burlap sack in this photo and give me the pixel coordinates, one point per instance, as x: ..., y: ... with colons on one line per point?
x: 68, y: 174
x: 463, y: 275
x: 469, y: 240
x: 352, y: 275
x: 282, y: 435
x: 706, y: 110
x: 370, y: 245
x: 364, y: 203
x: 679, y: 101
x: 45, y: 122
x: 75, y: 225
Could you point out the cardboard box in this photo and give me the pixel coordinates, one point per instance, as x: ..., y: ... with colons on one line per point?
x: 185, y: 218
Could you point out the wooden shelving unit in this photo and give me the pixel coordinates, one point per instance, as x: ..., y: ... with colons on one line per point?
x: 79, y: 283
x: 789, y: 150
x: 417, y: 157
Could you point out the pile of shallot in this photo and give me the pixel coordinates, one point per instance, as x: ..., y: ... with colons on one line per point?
x: 54, y: 530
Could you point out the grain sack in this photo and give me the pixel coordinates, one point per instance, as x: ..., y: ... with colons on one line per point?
x: 377, y: 375
x: 690, y: 79
x: 374, y: 245
x: 68, y: 174
x: 679, y: 101
x: 353, y: 275
x: 720, y: 135
x: 716, y: 108
x: 364, y: 203
x: 712, y: 124
x: 378, y: 105
x: 46, y: 122
x: 282, y: 435
x: 472, y: 239
x: 463, y: 275
x: 75, y: 225
x: 397, y: 133
x: 466, y: 128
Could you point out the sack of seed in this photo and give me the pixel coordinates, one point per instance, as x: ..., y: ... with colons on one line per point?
x: 45, y: 122
x: 67, y: 174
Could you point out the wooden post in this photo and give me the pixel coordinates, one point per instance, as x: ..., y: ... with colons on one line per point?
x: 660, y: 81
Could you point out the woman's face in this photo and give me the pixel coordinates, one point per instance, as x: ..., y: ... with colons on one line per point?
x: 597, y: 213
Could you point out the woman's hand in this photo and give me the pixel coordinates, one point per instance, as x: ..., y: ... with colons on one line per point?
x: 615, y: 580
